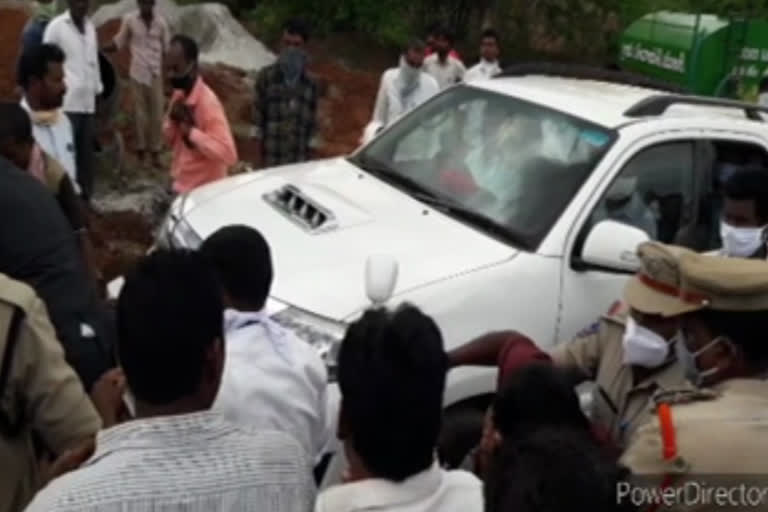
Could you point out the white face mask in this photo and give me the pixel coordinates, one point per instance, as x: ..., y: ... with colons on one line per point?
x: 741, y: 242
x: 643, y: 347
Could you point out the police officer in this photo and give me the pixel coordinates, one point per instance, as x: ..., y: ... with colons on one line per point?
x: 39, y: 248
x: 629, y: 353
x: 40, y: 395
x: 717, y: 428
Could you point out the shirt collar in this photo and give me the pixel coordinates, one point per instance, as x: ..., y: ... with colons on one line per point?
x: 68, y: 16
x: 161, y: 431
x: 378, y: 493
x: 196, y: 92
x: 235, y: 319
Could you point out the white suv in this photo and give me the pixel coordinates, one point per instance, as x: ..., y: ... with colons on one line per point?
x: 513, y: 203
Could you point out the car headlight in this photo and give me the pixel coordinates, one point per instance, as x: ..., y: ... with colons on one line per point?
x: 181, y: 235
x: 322, y: 333
x: 177, y: 234
x: 175, y: 231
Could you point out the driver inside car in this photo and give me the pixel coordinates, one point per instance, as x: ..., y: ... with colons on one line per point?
x: 506, y: 142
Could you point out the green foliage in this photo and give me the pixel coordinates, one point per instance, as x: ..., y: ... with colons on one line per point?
x: 568, y: 29
x: 386, y: 20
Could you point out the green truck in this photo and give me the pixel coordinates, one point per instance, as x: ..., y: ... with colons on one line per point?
x: 703, y: 53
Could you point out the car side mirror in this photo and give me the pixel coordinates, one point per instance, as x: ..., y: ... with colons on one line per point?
x: 380, y: 278
x: 613, y: 245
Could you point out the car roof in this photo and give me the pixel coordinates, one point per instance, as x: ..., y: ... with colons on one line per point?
x: 600, y: 102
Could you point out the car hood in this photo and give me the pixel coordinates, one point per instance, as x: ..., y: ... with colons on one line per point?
x: 322, y: 270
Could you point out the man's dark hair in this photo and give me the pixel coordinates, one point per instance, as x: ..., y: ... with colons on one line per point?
x: 392, y: 370
x: 169, y: 315
x: 297, y: 26
x: 537, y: 396
x: 744, y: 328
x: 242, y: 261
x: 34, y: 62
x: 188, y: 46
x: 443, y: 32
x: 490, y: 33
x: 416, y: 45
x: 749, y: 184
x: 14, y: 123
x: 552, y: 470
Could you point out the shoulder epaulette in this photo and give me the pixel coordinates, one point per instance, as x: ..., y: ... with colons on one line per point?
x: 16, y: 293
x: 617, y: 313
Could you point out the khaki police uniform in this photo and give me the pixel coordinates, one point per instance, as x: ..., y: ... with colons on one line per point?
x: 717, y: 431
x: 622, y: 393
x: 40, y: 394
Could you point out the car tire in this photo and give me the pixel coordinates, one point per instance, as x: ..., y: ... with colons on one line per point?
x: 460, y: 434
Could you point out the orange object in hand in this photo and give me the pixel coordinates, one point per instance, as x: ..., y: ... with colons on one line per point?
x: 669, y: 442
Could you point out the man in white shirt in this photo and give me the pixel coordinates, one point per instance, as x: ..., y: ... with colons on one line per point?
x: 272, y: 379
x: 178, y: 455
x: 40, y: 74
x: 392, y: 371
x: 75, y: 34
x: 444, y: 67
x: 744, y: 223
x: 402, y: 89
x: 489, y: 58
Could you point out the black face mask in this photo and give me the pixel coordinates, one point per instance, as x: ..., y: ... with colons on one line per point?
x: 183, y: 82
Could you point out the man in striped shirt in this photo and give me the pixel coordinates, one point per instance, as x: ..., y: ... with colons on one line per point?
x: 178, y: 455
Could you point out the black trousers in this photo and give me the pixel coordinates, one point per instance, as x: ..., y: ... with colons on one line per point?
x: 83, y: 130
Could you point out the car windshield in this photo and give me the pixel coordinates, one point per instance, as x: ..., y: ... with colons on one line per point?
x: 504, y: 165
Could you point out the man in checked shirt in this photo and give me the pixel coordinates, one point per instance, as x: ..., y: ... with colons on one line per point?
x: 285, y: 103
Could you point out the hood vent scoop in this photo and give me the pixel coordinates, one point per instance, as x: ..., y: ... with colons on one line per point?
x: 301, y: 210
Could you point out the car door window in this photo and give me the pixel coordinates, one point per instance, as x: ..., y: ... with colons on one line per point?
x: 720, y: 160
x: 653, y: 192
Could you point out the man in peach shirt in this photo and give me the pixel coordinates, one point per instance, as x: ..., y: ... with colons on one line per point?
x: 196, y: 126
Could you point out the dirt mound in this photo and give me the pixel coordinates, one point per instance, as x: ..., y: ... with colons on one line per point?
x: 13, y: 20
x: 220, y: 36
x: 346, y: 106
x: 122, y: 236
x: 119, y: 238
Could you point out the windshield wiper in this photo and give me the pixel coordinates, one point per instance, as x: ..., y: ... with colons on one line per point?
x: 386, y: 173
x: 445, y: 205
x: 473, y: 217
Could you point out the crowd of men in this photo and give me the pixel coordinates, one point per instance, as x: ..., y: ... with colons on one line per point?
x: 64, y: 49
x: 187, y: 395
x: 229, y: 410
x: 426, y: 69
